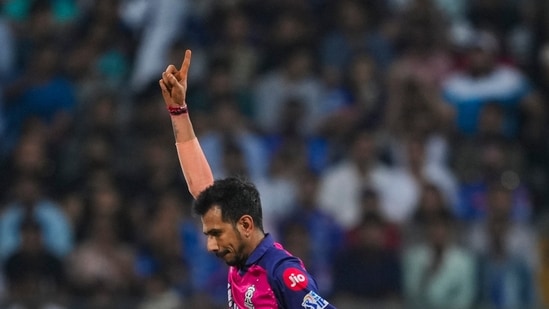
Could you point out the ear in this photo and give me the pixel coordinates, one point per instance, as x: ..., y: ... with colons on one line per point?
x: 246, y: 223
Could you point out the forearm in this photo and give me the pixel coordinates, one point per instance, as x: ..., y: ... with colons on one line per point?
x: 182, y: 128
x: 194, y: 165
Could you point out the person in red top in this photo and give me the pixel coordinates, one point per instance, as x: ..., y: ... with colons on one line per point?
x: 261, y: 274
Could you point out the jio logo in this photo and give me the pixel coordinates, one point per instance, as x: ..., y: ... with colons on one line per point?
x: 295, y: 279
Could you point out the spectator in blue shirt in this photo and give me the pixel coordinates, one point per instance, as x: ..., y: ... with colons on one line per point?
x: 29, y: 202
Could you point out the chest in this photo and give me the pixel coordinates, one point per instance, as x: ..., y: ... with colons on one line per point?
x: 250, y: 289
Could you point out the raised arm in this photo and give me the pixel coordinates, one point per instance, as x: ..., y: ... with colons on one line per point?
x: 196, y: 169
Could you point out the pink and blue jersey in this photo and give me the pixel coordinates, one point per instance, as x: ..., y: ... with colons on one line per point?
x: 273, y: 278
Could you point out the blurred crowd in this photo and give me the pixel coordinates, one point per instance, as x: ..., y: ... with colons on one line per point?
x: 400, y: 147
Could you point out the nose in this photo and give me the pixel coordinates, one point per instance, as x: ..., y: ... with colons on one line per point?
x: 211, y: 244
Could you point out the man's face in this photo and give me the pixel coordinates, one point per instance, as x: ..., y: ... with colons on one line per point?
x: 363, y: 149
x: 500, y: 203
x: 438, y: 233
x: 480, y: 61
x: 224, y: 238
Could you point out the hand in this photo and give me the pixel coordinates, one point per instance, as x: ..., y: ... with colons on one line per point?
x: 174, y: 82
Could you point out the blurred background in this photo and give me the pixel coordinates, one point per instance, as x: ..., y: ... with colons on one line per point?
x: 401, y: 148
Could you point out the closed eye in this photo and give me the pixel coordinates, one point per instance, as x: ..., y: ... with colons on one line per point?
x: 213, y: 233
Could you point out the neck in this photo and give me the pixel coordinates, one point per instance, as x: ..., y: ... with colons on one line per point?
x: 416, y: 169
x: 255, y: 239
x: 363, y: 167
x: 253, y: 242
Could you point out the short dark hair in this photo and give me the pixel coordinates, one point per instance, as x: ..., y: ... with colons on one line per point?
x: 372, y: 218
x: 235, y: 197
x: 441, y: 216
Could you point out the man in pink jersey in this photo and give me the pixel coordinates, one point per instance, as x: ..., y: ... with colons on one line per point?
x: 261, y: 273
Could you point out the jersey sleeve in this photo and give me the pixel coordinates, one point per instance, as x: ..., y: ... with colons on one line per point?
x: 296, y: 288
x: 196, y: 169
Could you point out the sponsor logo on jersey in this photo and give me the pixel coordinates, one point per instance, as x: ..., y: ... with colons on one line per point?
x: 314, y: 301
x: 295, y: 279
x: 248, y: 297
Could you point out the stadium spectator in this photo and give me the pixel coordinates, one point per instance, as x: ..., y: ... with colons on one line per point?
x: 354, y: 30
x: 350, y: 100
x: 412, y: 173
x: 503, y: 270
x: 293, y: 79
x: 438, y: 273
x: 341, y: 184
x: 279, y: 189
x: 34, y: 275
x: 237, y: 46
x: 368, y: 273
x: 101, y: 267
x: 370, y: 204
x: 485, y: 79
x: 220, y: 85
x: 159, y: 295
x: 328, y: 236
x: 516, y: 238
x: 40, y: 91
x: 492, y: 162
x: 160, y: 257
x: 231, y: 129
x: 430, y: 204
x: 290, y: 26
x: 30, y: 200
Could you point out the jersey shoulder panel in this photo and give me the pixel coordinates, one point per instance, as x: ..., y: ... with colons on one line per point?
x: 292, y: 283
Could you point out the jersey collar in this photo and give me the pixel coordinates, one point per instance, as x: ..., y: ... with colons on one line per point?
x: 260, y: 250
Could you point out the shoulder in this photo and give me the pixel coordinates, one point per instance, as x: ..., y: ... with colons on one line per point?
x: 276, y: 257
x: 342, y: 169
x: 461, y: 257
x: 282, y: 266
x: 50, y: 209
x: 418, y: 251
x: 11, y: 212
x: 291, y: 282
x: 269, y: 80
x: 511, y: 77
x: 509, y: 71
x: 454, y: 79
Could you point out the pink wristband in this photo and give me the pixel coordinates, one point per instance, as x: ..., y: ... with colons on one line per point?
x: 174, y: 111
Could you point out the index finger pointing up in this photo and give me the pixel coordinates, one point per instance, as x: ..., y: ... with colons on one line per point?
x: 186, y: 64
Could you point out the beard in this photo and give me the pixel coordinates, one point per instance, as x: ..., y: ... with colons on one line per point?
x: 239, y: 257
